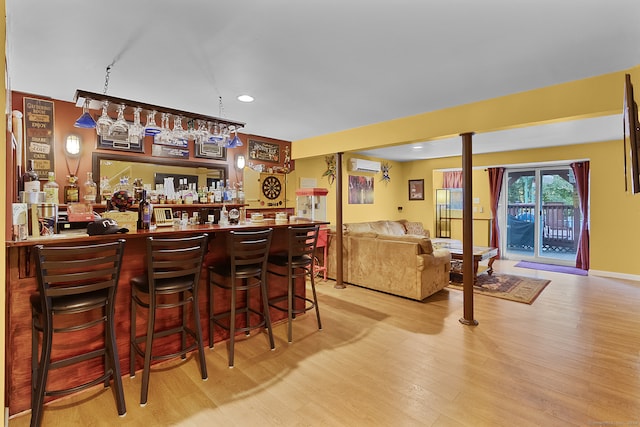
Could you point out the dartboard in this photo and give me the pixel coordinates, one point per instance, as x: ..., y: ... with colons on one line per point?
x: 271, y: 187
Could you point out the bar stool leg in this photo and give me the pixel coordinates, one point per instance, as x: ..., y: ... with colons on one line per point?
x: 147, y: 351
x: 198, y: 328
x: 112, y: 354
x: 267, y: 315
x: 290, y: 301
x: 43, y: 371
x: 315, y: 299
x: 210, y: 311
x: 132, y: 337
x: 185, y: 316
x: 232, y: 324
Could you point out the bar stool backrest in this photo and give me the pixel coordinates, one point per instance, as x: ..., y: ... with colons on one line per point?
x: 67, y: 271
x: 249, y: 248
x: 175, y: 259
x: 302, y: 243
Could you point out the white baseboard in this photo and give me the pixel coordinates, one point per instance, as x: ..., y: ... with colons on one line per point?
x: 615, y: 275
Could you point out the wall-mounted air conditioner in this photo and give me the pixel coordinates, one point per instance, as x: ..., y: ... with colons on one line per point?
x: 362, y: 165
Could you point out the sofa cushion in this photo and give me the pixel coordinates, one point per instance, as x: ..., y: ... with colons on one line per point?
x: 358, y: 227
x: 423, y: 242
x: 395, y: 228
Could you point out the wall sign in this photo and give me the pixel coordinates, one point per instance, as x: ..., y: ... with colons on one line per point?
x: 264, y: 151
x: 38, y: 131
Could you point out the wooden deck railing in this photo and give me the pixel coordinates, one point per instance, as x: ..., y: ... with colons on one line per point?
x: 560, y: 224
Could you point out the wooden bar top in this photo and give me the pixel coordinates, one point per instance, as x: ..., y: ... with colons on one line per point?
x: 80, y: 237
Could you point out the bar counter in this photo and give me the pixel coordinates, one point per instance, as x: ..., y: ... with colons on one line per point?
x: 21, y: 283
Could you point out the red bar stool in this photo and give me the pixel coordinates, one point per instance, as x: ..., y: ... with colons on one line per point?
x: 171, y: 281
x: 73, y: 284
x: 248, y: 252
x: 298, y: 262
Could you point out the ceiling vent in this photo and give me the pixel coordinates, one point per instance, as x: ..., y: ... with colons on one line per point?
x: 362, y: 165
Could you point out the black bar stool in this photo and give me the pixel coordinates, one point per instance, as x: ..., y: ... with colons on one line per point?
x: 76, y: 281
x: 298, y: 262
x: 171, y: 281
x: 248, y: 253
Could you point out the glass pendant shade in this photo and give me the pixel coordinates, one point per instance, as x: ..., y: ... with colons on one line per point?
x: 85, y: 121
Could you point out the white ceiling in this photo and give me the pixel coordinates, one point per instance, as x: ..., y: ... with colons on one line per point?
x: 316, y: 67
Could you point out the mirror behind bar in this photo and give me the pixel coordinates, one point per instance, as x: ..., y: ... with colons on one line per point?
x: 153, y: 170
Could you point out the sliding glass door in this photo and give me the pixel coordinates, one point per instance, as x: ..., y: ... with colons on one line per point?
x: 542, y: 217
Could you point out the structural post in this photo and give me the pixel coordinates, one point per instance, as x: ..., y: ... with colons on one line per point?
x: 467, y: 230
x: 339, y: 238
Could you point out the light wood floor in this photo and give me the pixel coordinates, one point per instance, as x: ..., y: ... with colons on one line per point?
x: 570, y: 359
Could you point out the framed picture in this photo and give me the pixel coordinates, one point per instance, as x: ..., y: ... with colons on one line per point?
x: 264, y: 151
x: 120, y: 141
x: 210, y: 151
x: 416, y: 189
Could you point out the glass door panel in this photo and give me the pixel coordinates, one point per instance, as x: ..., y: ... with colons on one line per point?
x: 560, y: 214
x: 521, y: 214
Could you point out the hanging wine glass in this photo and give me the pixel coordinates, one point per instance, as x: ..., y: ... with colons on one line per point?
x: 85, y: 121
x: 165, y: 132
x: 120, y: 126
x: 202, y: 134
x: 104, y: 121
x: 216, y: 136
x: 178, y: 133
x: 151, y: 128
x: 136, y: 130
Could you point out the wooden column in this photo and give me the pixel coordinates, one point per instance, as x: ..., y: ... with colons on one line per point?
x: 339, y: 238
x: 467, y: 230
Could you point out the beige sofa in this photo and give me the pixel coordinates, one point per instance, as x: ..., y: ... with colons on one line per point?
x: 391, y: 256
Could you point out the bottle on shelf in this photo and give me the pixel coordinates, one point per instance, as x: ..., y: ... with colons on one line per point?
x: 217, y: 194
x: 30, y: 181
x: 144, y: 211
x: 71, y: 190
x: 90, y: 189
x: 137, y: 190
x: 105, y: 189
x: 51, y: 189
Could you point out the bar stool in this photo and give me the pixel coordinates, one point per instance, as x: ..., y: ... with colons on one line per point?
x: 74, y: 282
x: 171, y: 281
x: 248, y: 252
x: 298, y: 262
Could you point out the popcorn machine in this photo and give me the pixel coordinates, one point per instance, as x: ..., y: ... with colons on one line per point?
x: 312, y: 203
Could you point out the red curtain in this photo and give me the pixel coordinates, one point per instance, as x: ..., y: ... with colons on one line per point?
x: 495, y: 185
x: 581, y: 172
x: 452, y: 179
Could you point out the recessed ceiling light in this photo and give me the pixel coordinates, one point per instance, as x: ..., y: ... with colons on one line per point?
x: 245, y: 98
x: 417, y: 147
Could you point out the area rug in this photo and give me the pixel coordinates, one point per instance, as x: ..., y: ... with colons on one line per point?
x: 553, y: 268
x: 507, y: 286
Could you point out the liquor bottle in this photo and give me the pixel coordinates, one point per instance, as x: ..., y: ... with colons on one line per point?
x: 30, y: 180
x: 137, y: 190
x: 105, y: 189
x: 144, y: 212
x: 90, y: 189
x: 51, y: 190
x: 71, y: 190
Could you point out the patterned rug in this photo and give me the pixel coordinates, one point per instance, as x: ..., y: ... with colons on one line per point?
x: 507, y: 286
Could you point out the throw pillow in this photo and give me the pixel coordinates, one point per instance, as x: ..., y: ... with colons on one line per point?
x: 416, y: 228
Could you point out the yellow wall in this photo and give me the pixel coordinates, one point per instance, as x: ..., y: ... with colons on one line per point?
x: 386, y: 195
